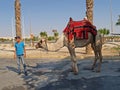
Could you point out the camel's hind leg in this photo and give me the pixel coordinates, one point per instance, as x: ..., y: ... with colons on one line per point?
x: 100, y: 60
x: 98, y: 55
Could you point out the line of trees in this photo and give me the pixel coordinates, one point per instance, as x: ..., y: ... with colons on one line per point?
x: 43, y: 34
x: 50, y: 38
x: 104, y: 31
x: 3, y: 40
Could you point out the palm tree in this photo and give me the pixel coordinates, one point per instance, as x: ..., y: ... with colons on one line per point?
x: 43, y: 34
x: 89, y: 14
x: 89, y: 10
x: 104, y: 31
x: 56, y: 34
x: 18, y: 18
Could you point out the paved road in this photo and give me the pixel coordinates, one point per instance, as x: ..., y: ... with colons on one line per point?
x: 55, y: 75
x: 108, y: 79
x: 98, y: 83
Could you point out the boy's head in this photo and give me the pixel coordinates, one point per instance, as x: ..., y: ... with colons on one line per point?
x: 18, y: 38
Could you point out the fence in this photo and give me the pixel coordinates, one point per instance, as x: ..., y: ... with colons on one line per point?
x: 111, y: 39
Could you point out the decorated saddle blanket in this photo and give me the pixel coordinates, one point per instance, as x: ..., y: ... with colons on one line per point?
x: 79, y: 29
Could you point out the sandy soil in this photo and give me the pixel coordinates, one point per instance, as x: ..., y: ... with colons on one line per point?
x: 32, y: 53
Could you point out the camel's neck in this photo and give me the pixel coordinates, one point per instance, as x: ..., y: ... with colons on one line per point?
x: 57, y: 45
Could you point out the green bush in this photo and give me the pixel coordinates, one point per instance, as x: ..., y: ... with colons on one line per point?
x: 50, y: 38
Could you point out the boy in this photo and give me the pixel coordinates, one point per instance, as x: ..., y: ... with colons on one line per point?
x: 20, y: 53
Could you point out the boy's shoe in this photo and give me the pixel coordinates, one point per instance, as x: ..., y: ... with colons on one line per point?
x: 26, y: 74
x: 19, y: 73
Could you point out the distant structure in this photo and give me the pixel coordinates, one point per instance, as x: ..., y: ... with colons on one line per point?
x: 18, y: 18
x: 115, y: 33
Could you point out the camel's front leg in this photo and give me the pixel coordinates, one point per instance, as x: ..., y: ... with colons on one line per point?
x: 95, y: 61
x: 74, y: 61
x: 100, y: 62
x: 96, y: 56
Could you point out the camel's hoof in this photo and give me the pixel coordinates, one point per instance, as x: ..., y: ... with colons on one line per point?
x: 92, y: 68
x: 71, y: 71
x: 75, y: 73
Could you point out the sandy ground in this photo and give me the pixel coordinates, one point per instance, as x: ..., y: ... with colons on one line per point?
x: 32, y: 53
x: 51, y: 70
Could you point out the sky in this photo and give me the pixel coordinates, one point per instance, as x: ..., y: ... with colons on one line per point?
x: 46, y: 15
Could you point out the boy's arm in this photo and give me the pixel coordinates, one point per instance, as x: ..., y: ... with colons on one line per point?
x: 24, y: 52
x: 15, y: 54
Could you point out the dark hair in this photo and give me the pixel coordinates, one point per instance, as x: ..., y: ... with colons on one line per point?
x: 17, y: 37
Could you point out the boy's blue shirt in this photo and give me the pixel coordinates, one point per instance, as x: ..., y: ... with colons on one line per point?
x: 19, y: 48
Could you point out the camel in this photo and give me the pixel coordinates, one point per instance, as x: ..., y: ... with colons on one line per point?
x: 96, y: 44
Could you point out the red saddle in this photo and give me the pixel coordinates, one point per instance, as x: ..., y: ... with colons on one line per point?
x: 79, y: 29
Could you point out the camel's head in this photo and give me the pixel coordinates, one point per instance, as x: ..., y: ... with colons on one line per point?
x: 43, y: 44
x: 38, y: 45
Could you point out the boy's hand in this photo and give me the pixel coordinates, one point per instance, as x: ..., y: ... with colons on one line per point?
x: 24, y: 52
x: 14, y: 56
x: 25, y: 55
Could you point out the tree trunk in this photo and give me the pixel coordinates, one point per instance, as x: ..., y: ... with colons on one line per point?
x: 89, y: 14
x: 18, y: 18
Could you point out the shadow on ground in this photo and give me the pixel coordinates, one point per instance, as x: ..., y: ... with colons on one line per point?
x: 12, y: 69
x: 56, y: 75
x: 98, y: 83
x: 60, y: 78
x: 44, y: 73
